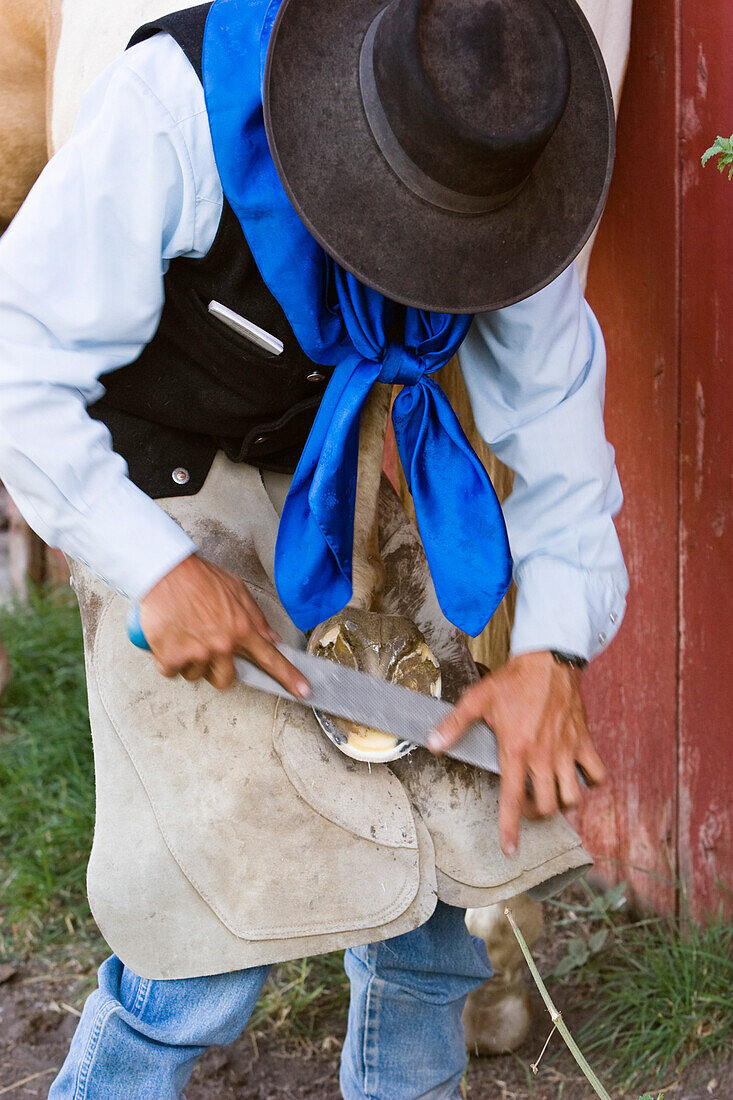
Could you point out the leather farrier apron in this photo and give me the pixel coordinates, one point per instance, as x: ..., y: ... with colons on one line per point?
x: 230, y: 832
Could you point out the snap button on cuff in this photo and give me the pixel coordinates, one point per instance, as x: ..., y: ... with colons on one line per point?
x: 315, y: 376
x: 181, y: 476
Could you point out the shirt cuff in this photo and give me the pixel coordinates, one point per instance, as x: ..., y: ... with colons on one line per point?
x: 130, y: 542
x: 565, y: 608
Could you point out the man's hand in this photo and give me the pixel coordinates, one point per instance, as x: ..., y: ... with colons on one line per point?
x: 199, y: 617
x: 534, y: 706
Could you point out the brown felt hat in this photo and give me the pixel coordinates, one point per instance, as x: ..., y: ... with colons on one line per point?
x: 453, y: 154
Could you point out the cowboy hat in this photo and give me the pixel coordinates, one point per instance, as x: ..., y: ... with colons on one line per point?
x: 454, y: 155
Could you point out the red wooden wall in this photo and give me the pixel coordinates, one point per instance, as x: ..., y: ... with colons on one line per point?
x: 706, y: 459
x: 661, y: 701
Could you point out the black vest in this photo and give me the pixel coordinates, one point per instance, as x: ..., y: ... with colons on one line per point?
x: 198, y: 386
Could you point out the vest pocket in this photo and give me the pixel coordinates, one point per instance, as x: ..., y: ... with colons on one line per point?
x: 234, y: 341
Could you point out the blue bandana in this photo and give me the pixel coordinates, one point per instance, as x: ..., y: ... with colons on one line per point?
x: 458, y: 513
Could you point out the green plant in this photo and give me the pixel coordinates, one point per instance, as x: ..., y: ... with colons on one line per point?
x: 600, y: 908
x: 46, y: 779
x: 662, y: 988
x: 722, y: 148
x: 663, y: 997
x: 558, y: 1023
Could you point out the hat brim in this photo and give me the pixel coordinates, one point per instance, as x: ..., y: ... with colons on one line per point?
x: 373, y: 225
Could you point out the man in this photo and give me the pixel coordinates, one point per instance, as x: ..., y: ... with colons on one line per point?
x: 449, y: 157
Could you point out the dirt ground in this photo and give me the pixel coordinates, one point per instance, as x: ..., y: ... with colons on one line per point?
x: 39, y: 1009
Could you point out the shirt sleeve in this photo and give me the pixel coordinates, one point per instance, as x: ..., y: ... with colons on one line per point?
x: 535, y: 374
x: 81, y: 293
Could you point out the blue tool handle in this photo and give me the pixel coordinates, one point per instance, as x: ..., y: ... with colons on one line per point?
x: 135, y: 631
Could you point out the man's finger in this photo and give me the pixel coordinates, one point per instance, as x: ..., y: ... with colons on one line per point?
x: 164, y: 670
x: 190, y: 664
x: 467, y: 711
x: 221, y: 673
x: 529, y: 806
x: 545, y: 789
x: 530, y: 811
x: 196, y: 670
x: 511, y: 801
x: 567, y: 782
x: 272, y: 661
x: 591, y: 763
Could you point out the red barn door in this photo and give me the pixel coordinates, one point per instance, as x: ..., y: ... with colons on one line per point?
x: 661, y: 282
x: 706, y: 460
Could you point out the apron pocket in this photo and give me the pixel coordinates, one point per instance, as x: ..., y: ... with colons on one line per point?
x: 275, y: 834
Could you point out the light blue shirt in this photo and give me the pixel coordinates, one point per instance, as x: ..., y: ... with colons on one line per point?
x: 81, y: 293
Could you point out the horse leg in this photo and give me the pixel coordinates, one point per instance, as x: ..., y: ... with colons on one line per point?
x: 368, y: 569
x: 498, y: 1015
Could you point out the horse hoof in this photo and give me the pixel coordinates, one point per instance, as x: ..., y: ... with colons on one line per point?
x: 388, y: 647
x: 496, y: 1018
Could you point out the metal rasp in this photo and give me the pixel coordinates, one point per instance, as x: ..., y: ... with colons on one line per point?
x: 345, y: 693
x: 380, y: 705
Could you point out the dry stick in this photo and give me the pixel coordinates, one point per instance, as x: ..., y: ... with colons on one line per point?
x: 556, y: 1016
x: 26, y: 1080
x: 535, y: 1066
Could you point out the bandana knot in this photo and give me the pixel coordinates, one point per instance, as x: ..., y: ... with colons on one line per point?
x: 401, y: 366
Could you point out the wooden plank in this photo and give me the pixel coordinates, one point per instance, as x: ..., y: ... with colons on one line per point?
x: 706, y: 461
x: 633, y: 289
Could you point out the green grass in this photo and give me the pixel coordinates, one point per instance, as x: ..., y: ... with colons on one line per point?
x: 302, y: 998
x: 662, y: 998
x: 46, y: 779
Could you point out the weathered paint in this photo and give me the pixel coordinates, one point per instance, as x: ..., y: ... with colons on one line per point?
x: 662, y: 284
x: 633, y: 286
x: 706, y: 462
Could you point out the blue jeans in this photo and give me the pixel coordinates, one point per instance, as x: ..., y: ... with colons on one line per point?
x: 138, y: 1039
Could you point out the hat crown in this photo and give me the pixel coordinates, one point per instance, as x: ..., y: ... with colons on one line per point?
x: 472, y: 91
